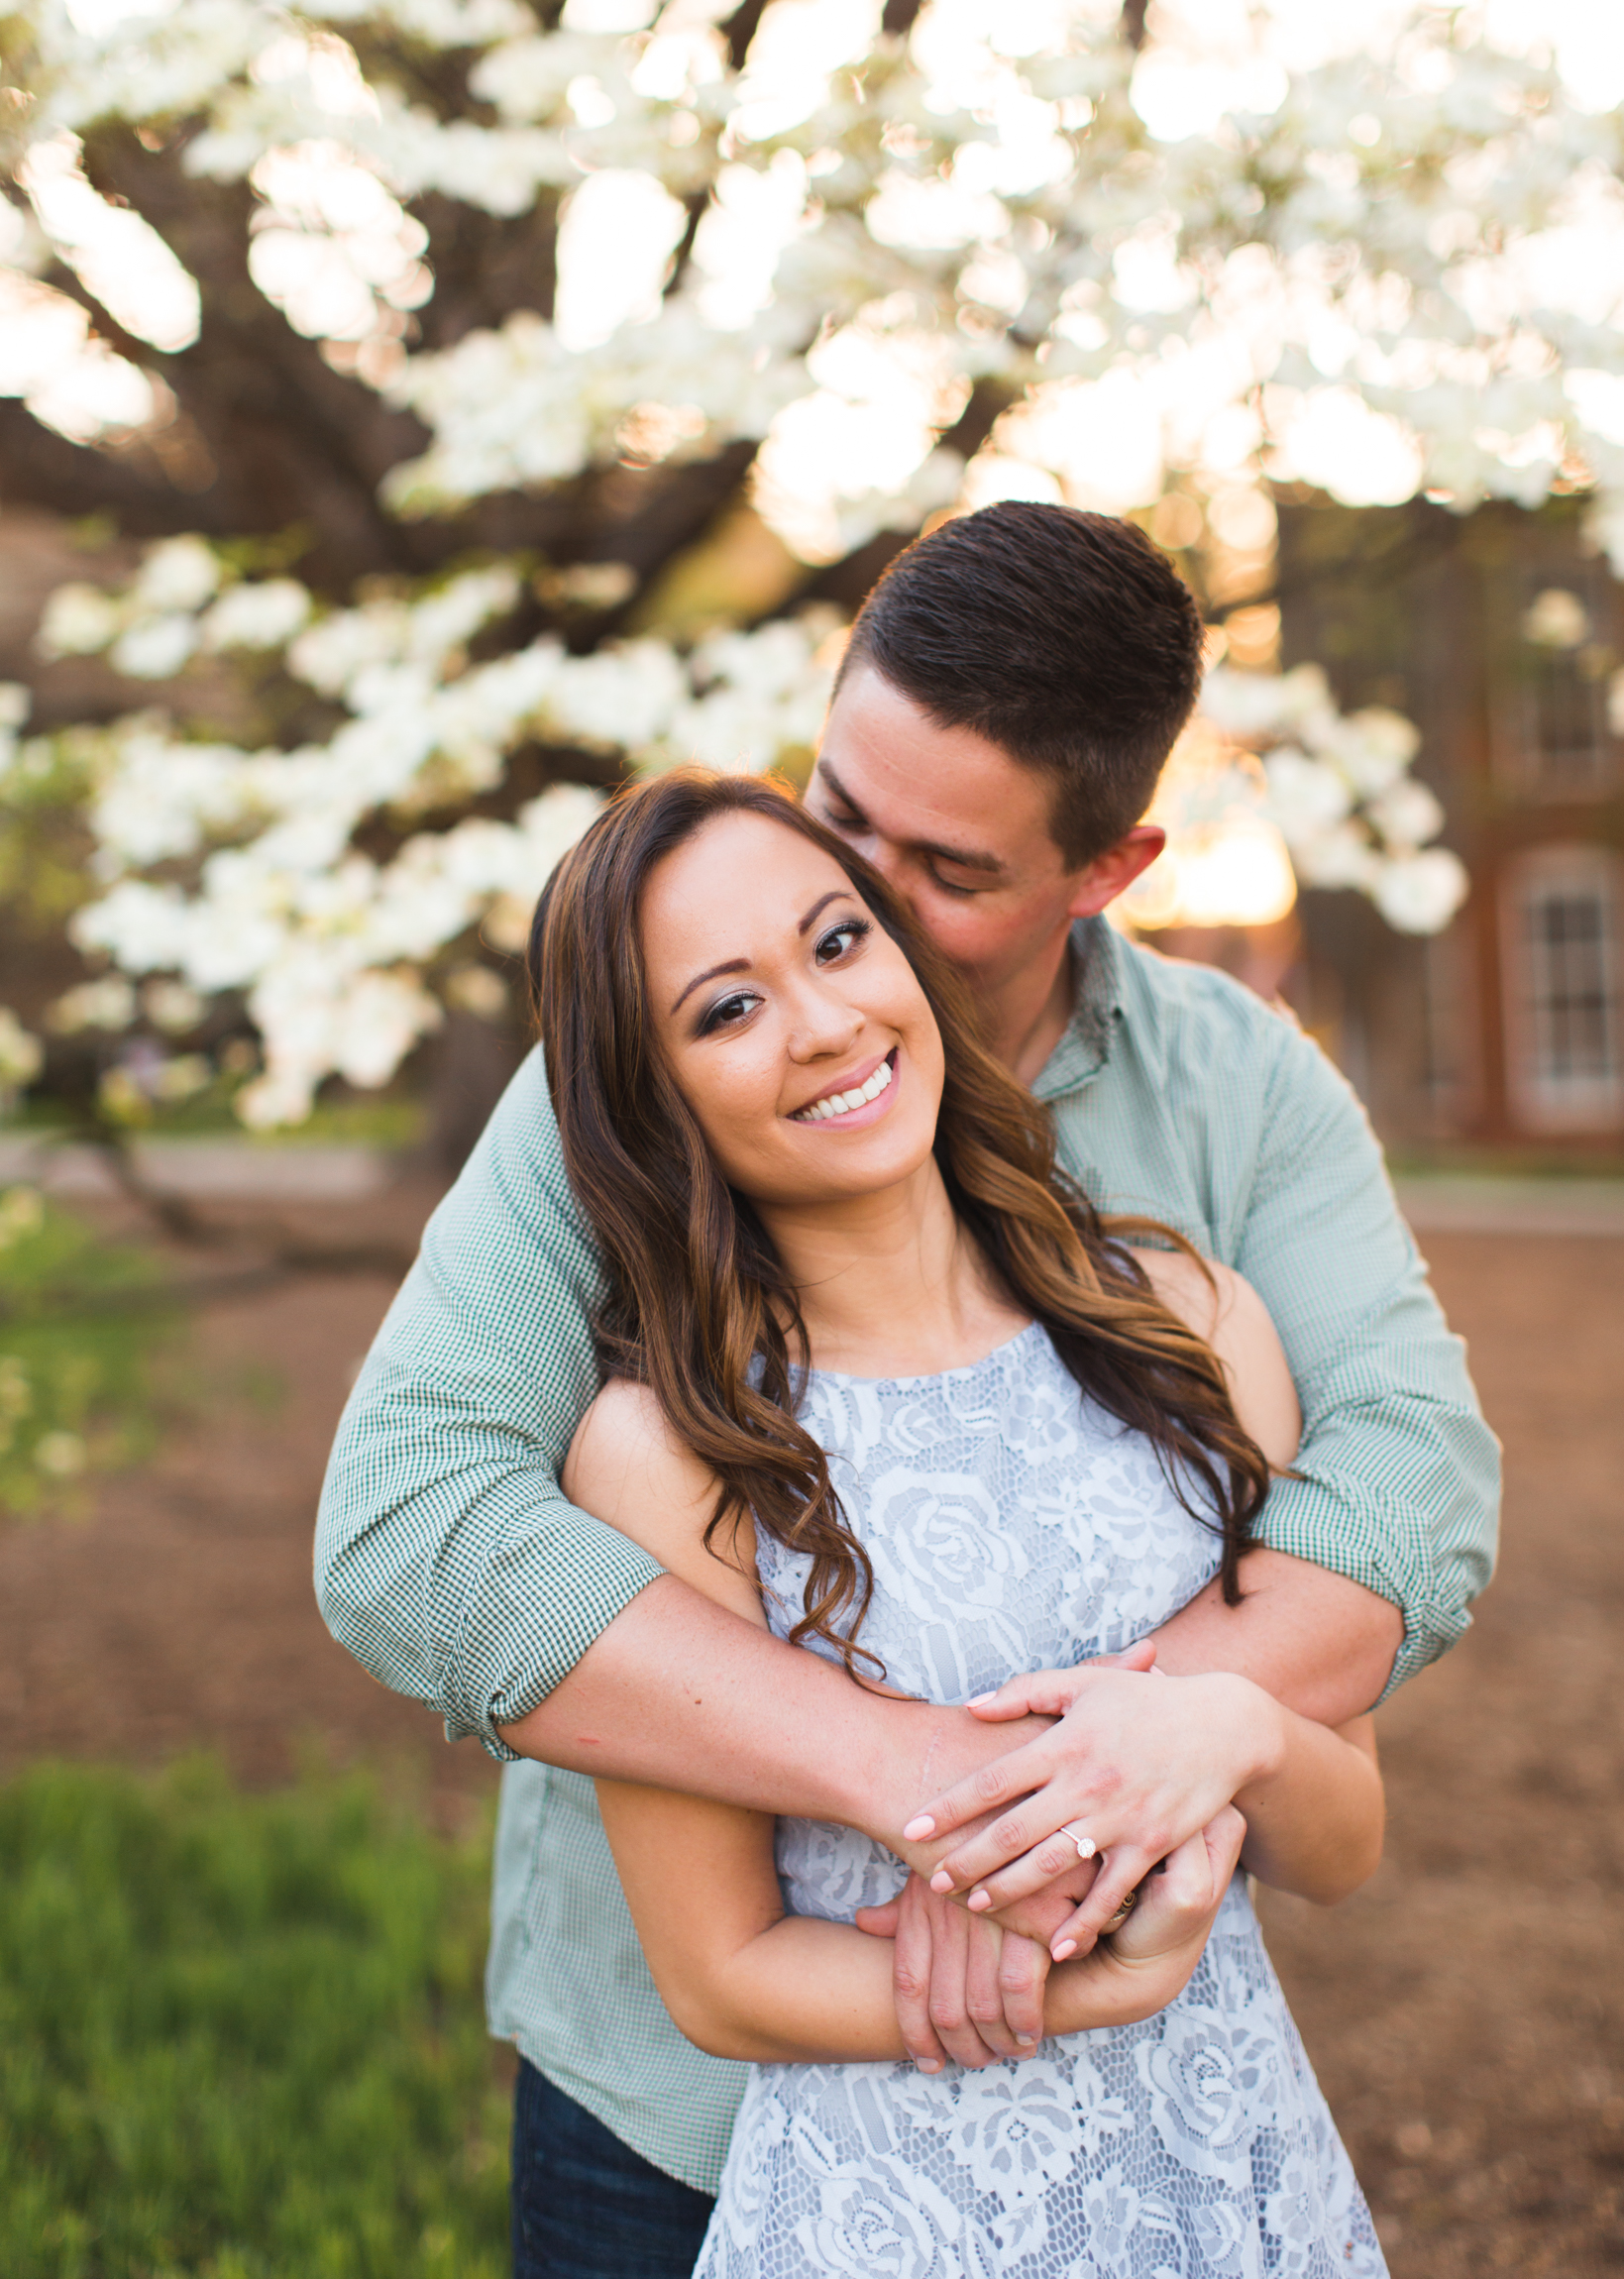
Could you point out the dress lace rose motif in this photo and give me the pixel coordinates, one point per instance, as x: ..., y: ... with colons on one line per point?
x: 1013, y: 1526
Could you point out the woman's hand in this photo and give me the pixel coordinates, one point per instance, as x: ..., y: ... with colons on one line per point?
x: 966, y: 1987
x: 1188, y: 1744
x: 1142, y: 1966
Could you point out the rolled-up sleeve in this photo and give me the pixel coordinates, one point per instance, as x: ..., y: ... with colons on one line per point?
x: 447, y: 1559
x: 1400, y: 1476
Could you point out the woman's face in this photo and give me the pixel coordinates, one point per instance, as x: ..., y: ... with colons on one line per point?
x: 792, y: 1025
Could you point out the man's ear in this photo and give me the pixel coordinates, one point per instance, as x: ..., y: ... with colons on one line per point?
x: 1114, y: 871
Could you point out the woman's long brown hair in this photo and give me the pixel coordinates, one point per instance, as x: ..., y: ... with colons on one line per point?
x: 698, y: 1307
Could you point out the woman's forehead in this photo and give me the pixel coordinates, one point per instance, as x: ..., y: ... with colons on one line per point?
x: 744, y: 867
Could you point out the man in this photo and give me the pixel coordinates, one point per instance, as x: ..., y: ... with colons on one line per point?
x: 1012, y: 689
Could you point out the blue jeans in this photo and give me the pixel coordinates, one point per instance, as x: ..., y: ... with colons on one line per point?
x: 584, y: 2205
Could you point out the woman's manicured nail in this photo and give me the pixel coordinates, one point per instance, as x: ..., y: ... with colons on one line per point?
x: 916, y: 1831
x: 941, y: 1881
x: 929, y: 2065
x: 978, y: 1903
x: 978, y: 1701
x: 1025, y: 2040
x: 1064, y: 1951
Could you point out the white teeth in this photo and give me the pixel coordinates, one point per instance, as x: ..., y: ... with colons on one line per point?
x: 842, y: 1102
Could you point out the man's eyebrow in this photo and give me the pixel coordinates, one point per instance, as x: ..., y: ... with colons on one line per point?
x: 728, y: 965
x: 962, y: 858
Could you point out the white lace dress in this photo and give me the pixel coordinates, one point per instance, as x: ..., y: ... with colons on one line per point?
x: 1013, y: 1526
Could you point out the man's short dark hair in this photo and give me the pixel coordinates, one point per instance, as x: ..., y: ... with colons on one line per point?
x: 1065, y: 638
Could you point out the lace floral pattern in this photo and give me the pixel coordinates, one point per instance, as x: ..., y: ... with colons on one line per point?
x: 1013, y: 1526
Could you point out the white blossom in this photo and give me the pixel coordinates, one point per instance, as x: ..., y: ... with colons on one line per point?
x: 263, y: 613
x: 22, y: 1057
x: 1421, y: 893
x: 108, y: 1002
x: 78, y: 620
x: 1395, y: 269
x: 155, y: 648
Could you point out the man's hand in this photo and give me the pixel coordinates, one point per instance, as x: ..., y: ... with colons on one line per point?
x: 966, y: 1988
x: 1140, y: 1761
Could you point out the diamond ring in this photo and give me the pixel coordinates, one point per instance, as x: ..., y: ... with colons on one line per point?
x: 1086, y: 1846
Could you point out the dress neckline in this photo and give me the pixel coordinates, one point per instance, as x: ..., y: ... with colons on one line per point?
x: 1006, y: 1346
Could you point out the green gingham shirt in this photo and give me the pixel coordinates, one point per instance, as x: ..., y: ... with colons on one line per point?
x: 450, y: 1564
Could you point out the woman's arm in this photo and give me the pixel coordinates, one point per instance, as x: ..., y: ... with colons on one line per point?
x: 740, y: 1977
x: 1312, y: 1796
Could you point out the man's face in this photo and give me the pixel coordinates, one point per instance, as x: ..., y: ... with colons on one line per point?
x: 959, y: 830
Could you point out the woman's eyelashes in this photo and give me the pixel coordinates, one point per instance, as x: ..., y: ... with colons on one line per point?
x: 727, y: 1012
x: 834, y: 944
x: 840, y: 939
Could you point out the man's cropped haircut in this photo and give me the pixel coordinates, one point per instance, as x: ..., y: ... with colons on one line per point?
x: 1066, y: 639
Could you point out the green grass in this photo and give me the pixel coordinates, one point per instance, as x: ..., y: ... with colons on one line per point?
x: 241, y: 2035
x: 81, y: 1321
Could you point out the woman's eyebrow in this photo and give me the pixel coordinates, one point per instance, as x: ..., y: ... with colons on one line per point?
x: 728, y: 965
x: 835, y: 894
x: 742, y: 964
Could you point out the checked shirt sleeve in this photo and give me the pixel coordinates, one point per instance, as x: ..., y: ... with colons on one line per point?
x: 1400, y: 1473
x: 447, y: 1560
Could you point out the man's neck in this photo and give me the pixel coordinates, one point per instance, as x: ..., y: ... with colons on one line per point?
x: 1026, y: 1019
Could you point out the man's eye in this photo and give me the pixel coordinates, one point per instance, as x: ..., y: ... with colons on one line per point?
x: 842, y: 822
x: 953, y: 885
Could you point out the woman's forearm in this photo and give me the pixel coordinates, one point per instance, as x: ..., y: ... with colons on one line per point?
x: 1315, y: 1816
x: 810, y: 1992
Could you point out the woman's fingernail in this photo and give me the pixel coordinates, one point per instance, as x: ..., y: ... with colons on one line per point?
x: 941, y: 1881
x: 1025, y: 2040
x: 929, y: 2065
x: 978, y: 1903
x: 977, y: 1700
x: 1064, y: 1951
x: 916, y: 1831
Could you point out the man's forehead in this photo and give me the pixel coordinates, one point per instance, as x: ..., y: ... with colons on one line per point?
x: 945, y: 790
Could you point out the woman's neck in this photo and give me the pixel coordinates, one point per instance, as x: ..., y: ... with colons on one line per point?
x: 891, y: 1284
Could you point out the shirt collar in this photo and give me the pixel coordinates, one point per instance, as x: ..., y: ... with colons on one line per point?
x: 1085, y: 1042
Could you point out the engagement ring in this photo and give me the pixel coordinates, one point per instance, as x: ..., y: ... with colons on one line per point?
x: 1086, y: 1846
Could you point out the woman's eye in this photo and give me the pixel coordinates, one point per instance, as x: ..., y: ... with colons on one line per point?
x: 727, y: 1010
x: 840, y: 939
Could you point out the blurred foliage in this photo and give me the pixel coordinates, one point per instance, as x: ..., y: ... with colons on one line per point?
x: 81, y: 1321
x: 241, y: 2035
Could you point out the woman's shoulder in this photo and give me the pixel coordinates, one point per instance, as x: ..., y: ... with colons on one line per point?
x: 624, y: 1445
x: 1203, y: 1292
x: 1227, y: 1313
x: 626, y: 1466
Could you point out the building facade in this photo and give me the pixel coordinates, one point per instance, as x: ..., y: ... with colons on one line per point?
x: 1503, y: 638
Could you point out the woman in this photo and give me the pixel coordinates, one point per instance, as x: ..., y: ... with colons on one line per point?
x: 878, y: 1380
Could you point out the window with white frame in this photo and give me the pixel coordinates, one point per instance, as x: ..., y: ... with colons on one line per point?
x: 1564, y: 1016
x: 1553, y: 733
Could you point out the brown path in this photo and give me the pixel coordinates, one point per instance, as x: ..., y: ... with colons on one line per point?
x: 1465, y: 2012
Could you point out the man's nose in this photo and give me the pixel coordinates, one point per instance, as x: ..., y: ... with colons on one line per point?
x: 889, y: 861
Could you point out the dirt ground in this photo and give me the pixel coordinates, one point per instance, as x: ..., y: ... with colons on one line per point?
x: 1465, y: 2012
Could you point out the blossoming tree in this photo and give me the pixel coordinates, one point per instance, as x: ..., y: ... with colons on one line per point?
x: 586, y: 364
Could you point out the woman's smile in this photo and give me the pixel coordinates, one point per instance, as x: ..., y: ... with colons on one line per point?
x: 856, y: 1101
x: 783, y: 1009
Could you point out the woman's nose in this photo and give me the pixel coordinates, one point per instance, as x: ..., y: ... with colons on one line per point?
x: 823, y: 1022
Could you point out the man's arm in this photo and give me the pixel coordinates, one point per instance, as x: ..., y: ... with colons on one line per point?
x: 1398, y: 1474
x: 451, y: 1565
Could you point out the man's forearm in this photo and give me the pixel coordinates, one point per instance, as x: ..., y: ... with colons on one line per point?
x: 679, y: 1694
x: 1322, y: 1645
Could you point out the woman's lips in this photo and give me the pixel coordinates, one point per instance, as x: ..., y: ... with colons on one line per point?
x: 868, y: 1111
